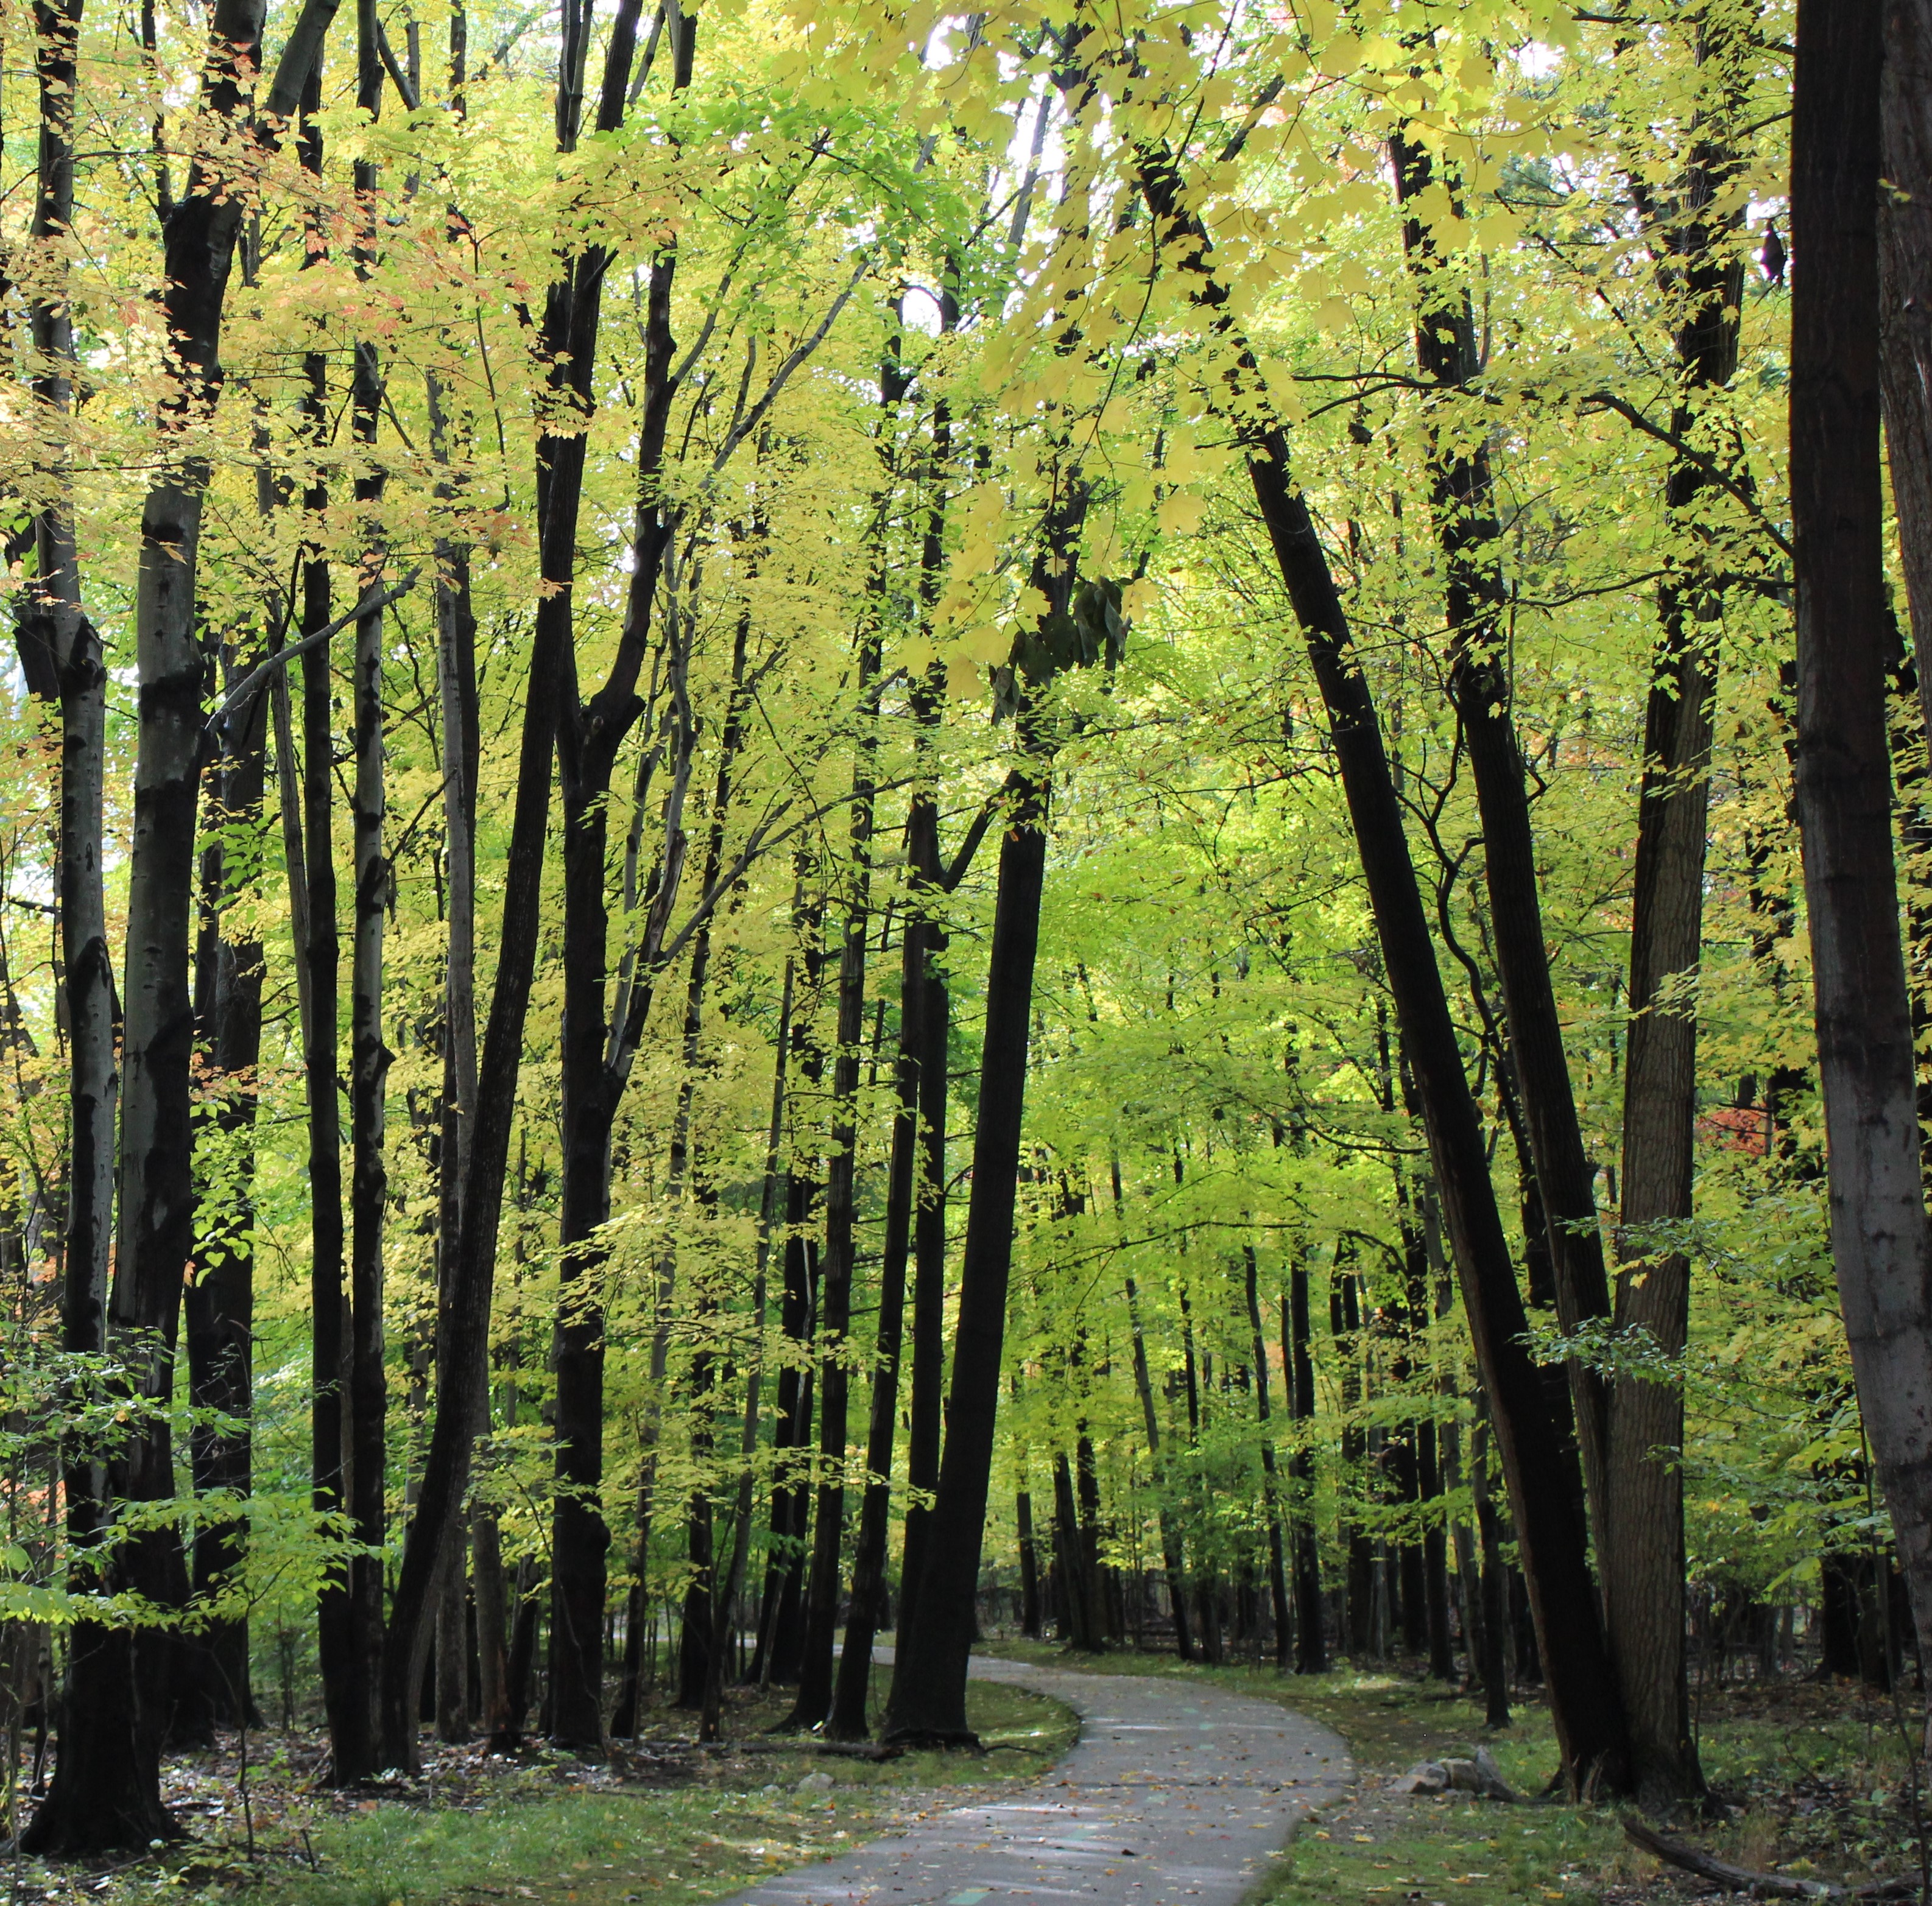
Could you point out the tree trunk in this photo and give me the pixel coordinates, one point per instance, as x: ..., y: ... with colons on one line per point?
x: 1172, y: 1559
x: 847, y: 1718
x: 925, y: 1417
x: 1879, y: 1231
x: 155, y: 1194
x: 1495, y: 1583
x: 1271, y: 1490
x: 1029, y: 1569
x: 928, y: 1696
x: 1070, y: 1563
x: 463, y: 1324
x: 1311, y: 1646
x: 492, y: 1649
x: 1905, y: 307
x: 814, y: 1682
x: 212, y: 1665
x: 368, y: 1057
x: 108, y: 1796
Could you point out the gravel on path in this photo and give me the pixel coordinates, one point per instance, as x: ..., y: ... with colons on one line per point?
x: 1175, y: 1795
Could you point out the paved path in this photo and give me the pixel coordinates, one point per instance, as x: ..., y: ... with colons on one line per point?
x: 1174, y: 1796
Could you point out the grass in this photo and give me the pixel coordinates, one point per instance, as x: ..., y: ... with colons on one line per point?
x: 737, y: 1821
x: 1814, y: 1779
x: 669, y: 1826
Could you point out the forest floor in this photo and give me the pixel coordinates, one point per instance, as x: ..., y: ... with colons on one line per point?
x: 1809, y: 1778
x: 664, y: 1822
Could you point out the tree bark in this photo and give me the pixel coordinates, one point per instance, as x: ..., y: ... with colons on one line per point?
x: 1271, y: 1490
x: 1905, y: 293
x: 1173, y: 1558
x: 929, y: 1695
x: 1585, y: 1703
x: 847, y: 1718
x: 99, y: 1726
x: 1311, y: 1645
x: 925, y: 1418
x: 821, y: 1620
x: 368, y: 1057
x: 1879, y: 1231
x: 463, y: 1324
x: 106, y: 1792
x: 212, y: 1667
x: 590, y: 736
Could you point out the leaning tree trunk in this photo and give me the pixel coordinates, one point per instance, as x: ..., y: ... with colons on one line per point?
x: 1585, y: 1702
x: 1880, y: 1241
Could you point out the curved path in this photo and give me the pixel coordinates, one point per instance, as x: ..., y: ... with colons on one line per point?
x: 1174, y: 1795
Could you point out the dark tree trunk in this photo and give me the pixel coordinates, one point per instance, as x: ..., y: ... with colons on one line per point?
x: 847, y: 1719
x: 1173, y: 1560
x: 925, y: 1416
x: 368, y: 1057
x: 1311, y: 1646
x: 1866, y: 1063
x: 1271, y: 1488
x: 1345, y: 1326
x: 463, y: 1323
x: 1069, y: 1562
x: 1029, y: 1569
x: 1905, y: 280
x: 928, y: 1696
x: 1641, y: 1514
x: 108, y: 1795
x: 212, y: 1665
x: 590, y: 735
x: 98, y: 1723
x: 1496, y: 1584
x: 821, y: 1617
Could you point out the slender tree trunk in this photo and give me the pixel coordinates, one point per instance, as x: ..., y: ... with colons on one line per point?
x: 99, y: 1726
x: 1271, y: 1490
x: 847, y: 1719
x: 1172, y: 1559
x: 113, y: 1799
x: 368, y: 1057
x: 815, y: 1670
x: 1311, y: 1645
x: 1585, y: 1703
x: 925, y: 1417
x: 1495, y: 1583
x: 493, y: 1650
x: 1878, y: 1233
x: 212, y: 1666
x: 463, y: 1325
x: 1905, y: 307
x: 1069, y: 1562
x: 1029, y: 1567
x: 928, y: 1696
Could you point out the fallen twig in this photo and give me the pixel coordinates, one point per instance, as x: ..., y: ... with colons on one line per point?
x: 1761, y: 1886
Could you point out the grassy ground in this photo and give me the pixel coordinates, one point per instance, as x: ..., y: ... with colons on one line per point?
x: 1811, y: 1779
x: 668, y: 1824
